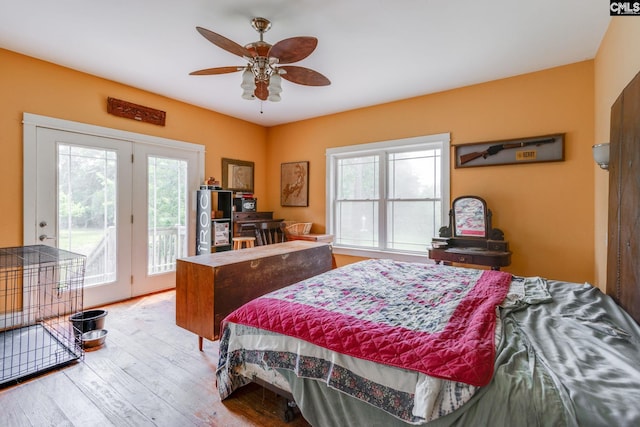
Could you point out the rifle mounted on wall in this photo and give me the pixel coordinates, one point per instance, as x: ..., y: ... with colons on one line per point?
x: 494, y: 149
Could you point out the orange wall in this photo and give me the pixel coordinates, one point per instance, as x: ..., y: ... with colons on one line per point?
x: 33, y: 86
x: 549, y: 212
x: 545, y: 209
x: 616, y: 63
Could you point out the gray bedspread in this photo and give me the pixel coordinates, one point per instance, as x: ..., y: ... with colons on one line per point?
x: 570, y: 361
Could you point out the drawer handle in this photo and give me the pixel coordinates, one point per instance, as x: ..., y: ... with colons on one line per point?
x: 462, y: 259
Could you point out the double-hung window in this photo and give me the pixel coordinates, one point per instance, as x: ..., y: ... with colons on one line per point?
x: 388, y: 197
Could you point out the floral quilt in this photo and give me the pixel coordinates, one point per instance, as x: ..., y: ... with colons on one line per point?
x: 435, y: 320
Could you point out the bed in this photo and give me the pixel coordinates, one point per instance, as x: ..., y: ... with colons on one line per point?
x: 557, y: 354
x: 386, y: 343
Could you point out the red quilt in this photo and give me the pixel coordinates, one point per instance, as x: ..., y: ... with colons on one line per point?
x: 433, y: 319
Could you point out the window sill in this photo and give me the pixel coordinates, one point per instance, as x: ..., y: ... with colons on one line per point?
x: 372, y: 253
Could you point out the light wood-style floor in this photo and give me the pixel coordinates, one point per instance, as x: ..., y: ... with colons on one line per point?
x: 148, y: 373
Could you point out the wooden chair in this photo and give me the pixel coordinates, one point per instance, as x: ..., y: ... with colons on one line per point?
x: 269, y: 232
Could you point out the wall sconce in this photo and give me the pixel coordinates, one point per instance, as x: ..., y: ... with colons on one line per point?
x: 601, y: 155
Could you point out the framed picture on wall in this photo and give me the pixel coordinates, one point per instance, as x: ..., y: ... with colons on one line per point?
x: 237, y: 175
x: 547, y: 148
x: 294, y: 184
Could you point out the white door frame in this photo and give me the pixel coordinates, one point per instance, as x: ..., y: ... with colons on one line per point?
x: 31, y: 122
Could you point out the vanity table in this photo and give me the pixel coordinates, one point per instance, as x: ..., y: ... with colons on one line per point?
x: 470, y: 238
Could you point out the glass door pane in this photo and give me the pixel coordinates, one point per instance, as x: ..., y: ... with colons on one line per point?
x: 87, y: 208
x: 165, y: 180
x: 167, y: 213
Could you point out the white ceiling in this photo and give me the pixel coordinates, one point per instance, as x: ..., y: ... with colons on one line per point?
x: 373, y: 51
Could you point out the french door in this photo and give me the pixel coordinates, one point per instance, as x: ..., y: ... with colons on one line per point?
x: 83, y: 199
x: 124, y: 203
x: 164, y: 183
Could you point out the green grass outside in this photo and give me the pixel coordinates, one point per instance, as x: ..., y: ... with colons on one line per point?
x: 79, y: 240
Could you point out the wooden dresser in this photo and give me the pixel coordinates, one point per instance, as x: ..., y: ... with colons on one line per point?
x: 471, y: 255
x: 209, y: 287
x: 470, y: 237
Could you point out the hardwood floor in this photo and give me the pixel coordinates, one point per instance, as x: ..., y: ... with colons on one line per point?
x: 149, y: 372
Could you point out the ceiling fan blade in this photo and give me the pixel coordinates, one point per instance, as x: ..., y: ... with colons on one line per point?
x: 262, y: 90
x: 217, y: 70
x: 304, y: 76
x: 224, y: 43
x: 294, y: 49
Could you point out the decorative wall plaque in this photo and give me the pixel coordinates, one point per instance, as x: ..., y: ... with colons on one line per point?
x: 547, y: 148
x: 128, y: 110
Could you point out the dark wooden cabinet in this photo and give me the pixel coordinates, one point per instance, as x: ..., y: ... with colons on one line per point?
x: 470, y: 237
x: 209, y: 287
x: 471, y: 255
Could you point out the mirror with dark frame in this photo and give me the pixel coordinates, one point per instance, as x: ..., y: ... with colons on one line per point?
x: 470, y: 238
x: 469, y: 217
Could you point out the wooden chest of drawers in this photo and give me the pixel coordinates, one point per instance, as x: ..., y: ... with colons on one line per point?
x: 470, y: 255
x: 209, y: 287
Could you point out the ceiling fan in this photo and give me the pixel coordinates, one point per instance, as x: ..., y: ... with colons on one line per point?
x: 262, y: 75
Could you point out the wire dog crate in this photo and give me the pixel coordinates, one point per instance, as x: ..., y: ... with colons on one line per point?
x: 39, y: 287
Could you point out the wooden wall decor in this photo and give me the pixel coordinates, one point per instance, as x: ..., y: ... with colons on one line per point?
x: 129, y: 110
x: 546, y: 148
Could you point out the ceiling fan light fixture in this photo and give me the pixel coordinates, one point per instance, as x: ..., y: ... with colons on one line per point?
x: 248, y: 80
x: 266, y: 63
x: 248, y: 84
x: 275, y: 87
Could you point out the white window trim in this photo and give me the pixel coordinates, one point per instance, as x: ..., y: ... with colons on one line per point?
x: 331, y: 153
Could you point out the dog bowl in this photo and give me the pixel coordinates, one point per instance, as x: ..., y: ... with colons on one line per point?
x: 86, y: 321
x: 94, y: 338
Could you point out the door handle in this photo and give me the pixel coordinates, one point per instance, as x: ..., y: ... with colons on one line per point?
x: 44, y: 237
